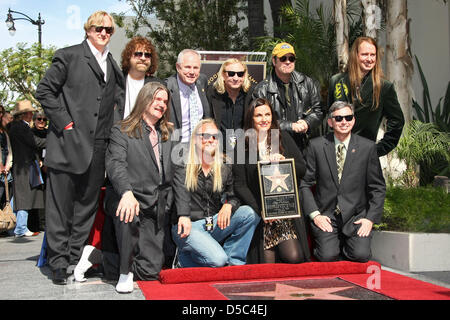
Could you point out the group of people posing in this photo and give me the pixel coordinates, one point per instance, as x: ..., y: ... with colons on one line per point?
x: 172, y: 192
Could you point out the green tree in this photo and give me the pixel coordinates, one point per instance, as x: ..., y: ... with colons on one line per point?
x: 200, y: 25
x: 21, y: 69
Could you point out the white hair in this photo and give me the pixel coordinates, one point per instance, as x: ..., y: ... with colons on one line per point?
x: 183, y: 52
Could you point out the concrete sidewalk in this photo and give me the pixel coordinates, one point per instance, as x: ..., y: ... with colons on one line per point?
x: 21, y: 279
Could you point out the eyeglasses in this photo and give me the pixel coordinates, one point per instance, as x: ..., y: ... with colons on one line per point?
x: 139, y: 54
x: 347, y: 118
x: 284, y: 58
x: 207, y: 136
x: 240, y: 74
x: 108, y: 30
x: 41, y: 119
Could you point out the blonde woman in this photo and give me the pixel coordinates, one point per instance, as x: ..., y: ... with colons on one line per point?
x: 215, y: 214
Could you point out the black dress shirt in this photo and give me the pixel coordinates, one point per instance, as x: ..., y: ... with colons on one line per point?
x: 206, y: 202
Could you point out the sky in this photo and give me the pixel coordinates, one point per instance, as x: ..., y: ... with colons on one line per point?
x: 64, y: 20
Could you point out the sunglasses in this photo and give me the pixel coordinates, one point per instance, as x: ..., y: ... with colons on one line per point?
x: 108, y: 30
x: 41, y: 119
x: 139, y: 54
x: 207, y: 136
x: 347, y: 118
x: 284, y: 58
x: 240, y: 74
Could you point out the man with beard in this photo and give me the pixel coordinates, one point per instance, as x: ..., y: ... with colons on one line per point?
x: 139, y: 63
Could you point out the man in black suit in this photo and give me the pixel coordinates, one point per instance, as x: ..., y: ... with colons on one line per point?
x: 350, y: 189
x: 78, y: 94
x: 142, y: 175
x: 188, y: 103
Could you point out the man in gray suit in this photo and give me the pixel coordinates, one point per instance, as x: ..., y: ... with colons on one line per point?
x: 187, y: 88
x: 350, y: 189
x: 78, y: 94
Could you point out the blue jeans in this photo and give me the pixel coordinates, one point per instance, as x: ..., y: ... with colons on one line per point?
x: 21, y: 220
x: 202, y: 248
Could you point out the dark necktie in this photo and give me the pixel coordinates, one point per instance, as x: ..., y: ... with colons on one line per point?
x: 154, y: 142
x: 286, y: 92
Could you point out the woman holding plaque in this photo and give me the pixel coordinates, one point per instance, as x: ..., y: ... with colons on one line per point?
x: 282, y: 238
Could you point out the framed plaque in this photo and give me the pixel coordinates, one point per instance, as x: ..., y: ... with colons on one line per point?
x: 279, y: 193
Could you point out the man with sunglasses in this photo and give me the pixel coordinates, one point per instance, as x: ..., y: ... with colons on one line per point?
x: 78, y: 94
x: 293, y: 95
x: 139, y: 63
x: 350, y: 189
x: 229, y: 97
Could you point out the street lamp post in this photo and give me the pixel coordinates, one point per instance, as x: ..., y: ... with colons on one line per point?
x: 12, y: 30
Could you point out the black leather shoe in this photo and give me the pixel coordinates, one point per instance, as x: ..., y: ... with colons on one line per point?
x: 60, y: 276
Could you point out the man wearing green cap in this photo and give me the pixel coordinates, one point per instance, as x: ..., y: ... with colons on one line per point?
x: 294, y: 96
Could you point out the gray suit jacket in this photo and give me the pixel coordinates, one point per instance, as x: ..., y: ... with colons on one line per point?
x: 73, y: 90
x: 175, y: 104
x: 131, y: 165
x: 362, y: 189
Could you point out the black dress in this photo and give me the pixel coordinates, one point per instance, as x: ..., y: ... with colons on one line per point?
x: 247, y: 190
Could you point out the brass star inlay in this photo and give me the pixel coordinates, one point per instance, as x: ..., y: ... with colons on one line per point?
x: 278, y: 180
x: 287, y: 292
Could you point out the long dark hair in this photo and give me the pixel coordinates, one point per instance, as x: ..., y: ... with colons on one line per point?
x: 248, y: 122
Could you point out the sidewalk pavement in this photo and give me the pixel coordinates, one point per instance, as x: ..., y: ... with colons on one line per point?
x: 21, y: 279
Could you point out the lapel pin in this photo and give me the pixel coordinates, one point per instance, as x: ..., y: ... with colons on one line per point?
x: 353, y: 150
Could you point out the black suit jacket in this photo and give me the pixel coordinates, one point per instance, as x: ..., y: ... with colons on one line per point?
x: 131, y: 166
x: 72, y: 90
x: 175, y: 102
x: 362, y: 189
x: 25, y: 147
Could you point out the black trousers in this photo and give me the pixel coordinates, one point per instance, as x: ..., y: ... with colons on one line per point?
x: 71, y: 206
x: 139, y: 244
x: 334, y: 246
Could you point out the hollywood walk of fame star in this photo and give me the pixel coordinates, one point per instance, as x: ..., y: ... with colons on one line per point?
x: 288, y: 292
x: 278, y: 179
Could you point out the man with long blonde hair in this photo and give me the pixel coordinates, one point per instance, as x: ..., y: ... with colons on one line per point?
x: 229, y: 97
x: 373, y: 97
x: 215, y: 213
